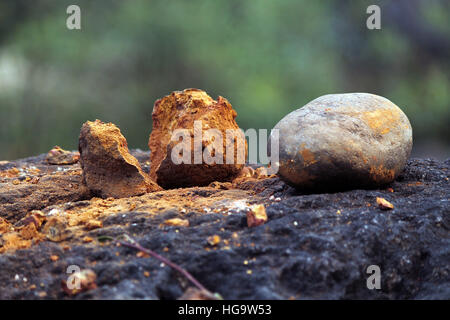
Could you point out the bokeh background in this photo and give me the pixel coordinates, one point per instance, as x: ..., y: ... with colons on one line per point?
x: 267, y: 57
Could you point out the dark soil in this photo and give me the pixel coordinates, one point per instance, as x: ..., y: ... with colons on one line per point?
x: 313, y: 246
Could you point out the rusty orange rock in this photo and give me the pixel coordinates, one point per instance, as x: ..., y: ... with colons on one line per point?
x: 35, y: 217
x: 176, y: 222
x: 29, y: 231
x: 383, y: 204
x: 183, y: 110
x: 109, y: 170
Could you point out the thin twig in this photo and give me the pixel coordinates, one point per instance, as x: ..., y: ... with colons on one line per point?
x: 131, y: 243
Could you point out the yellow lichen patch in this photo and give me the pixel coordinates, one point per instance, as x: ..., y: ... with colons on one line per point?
x: 381, y: 121
x: 308, y: 157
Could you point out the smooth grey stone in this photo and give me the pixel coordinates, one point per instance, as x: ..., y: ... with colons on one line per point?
x: 341, y: 141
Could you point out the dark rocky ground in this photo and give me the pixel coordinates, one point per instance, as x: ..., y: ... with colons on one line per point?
x: 314, y: 246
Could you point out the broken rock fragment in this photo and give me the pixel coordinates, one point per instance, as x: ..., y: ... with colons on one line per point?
x: 79, y: 281
x: 61, y: 157
x: 56, y: 229
x: 256, y: 216
x: 5, y: 226
x: 60, y: 187
x: 189, y: 124
x: 109, y: 170
x: 383, y: 204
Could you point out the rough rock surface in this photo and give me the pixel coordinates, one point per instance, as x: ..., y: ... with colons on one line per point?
x: 109, y: 170
x: 180, y: 110
x: 340, y: 141
x: 32, y: 184
x: 312, y: 246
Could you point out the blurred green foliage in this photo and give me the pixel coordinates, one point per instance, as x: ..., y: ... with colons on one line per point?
x: 266, y: 57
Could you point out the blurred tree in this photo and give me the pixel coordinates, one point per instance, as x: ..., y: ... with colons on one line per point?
x: 268, y: 58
